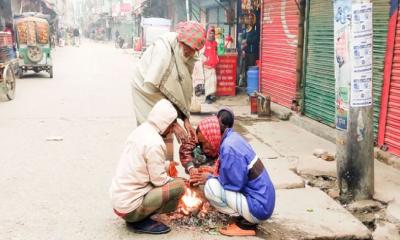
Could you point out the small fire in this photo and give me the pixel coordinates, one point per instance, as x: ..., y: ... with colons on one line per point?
x: 190, y: 202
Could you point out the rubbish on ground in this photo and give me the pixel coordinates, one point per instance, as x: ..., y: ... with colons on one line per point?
x: 324, y: 155
x: 55, y: 139
x: 319, y: 152
x: 328, y: 157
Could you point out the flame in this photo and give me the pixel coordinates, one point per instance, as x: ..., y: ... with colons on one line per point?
x: 204, y: 209
x: 190, y: 201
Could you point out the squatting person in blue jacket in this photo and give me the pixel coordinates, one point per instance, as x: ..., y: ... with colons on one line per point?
x: 240, y: 185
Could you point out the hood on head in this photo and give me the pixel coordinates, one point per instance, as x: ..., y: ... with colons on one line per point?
x: 162, y: 115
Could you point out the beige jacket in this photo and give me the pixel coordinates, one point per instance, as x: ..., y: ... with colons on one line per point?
x: 161, y: 73
x: 142, y: 164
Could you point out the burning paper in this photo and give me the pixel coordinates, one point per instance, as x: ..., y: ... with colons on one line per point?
x: 195, y: 212
x: 191, y: 203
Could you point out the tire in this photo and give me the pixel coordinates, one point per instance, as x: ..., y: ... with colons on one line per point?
x: 9, y: 78
x: 35, y: 54
x: 20, y: 73
x: 51, y: 72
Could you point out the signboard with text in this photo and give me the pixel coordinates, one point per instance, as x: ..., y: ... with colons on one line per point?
x: 226, y: 75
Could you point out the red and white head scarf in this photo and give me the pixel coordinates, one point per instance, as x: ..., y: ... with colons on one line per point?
x: 192, y: 34
x: 211, y: 131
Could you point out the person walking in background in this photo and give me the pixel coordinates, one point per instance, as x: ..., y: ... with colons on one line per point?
x: 93, y: 33
x: 61, y: 38
x: 77, y: 39
x: 210, y: 62
x: 141, y: 186
x: 108, y: 30
x: 116, y: 35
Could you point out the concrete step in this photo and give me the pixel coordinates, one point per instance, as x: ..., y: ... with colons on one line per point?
x: 308, y: 213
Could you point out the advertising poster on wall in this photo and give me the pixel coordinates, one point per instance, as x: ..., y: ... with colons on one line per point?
x: 342, y: 32
x: 361, y: 51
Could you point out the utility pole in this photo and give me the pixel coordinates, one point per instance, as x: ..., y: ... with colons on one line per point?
x: 354, y: 107
x: 187, y: 10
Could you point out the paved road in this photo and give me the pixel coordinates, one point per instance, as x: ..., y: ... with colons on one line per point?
x: 59, y: 189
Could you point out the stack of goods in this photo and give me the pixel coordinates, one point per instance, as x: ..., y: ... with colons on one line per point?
x: 6, y: 47
x: 43, y: 33
x: 31, y: 31
x: 22, y: 33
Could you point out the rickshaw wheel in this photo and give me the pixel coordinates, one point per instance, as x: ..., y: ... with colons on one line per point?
x: 51, y: 72
x: 9, y: 77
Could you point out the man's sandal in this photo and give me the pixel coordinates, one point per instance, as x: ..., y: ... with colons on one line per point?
x: 234, y: 230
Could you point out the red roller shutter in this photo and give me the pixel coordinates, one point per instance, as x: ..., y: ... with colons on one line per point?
x: 391, y: 124
x: 279, y: 38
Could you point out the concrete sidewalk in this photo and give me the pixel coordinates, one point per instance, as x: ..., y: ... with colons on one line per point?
x: 304, y: 212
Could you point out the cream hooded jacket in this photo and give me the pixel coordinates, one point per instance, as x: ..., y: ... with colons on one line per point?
x: 142, y: 164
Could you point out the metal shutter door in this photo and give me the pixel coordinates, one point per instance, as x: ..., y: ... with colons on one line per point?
x: 380, y: 22
x: 392, y: 131
x: 280, y: 25
x: 319, y: 82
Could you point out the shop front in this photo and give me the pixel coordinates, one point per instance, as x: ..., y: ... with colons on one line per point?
x: 238, y: 24
x: 221, y: 16
x: 122, y: 21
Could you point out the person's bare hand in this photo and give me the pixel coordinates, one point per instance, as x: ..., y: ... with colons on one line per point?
x: 199, y: 178
x: 193, y: 171
x: 207, y: 169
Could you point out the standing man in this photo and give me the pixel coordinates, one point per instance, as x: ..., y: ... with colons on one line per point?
x: 141, y: 186
x: 210, y: 63
x: 165, y: 72
x: 77, y: 40
x: 249, y: 45
x: 108, y: 29
x: 116, y: 35
x: 61, y: 38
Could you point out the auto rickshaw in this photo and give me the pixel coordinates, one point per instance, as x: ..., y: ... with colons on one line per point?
x: 33, y: 44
